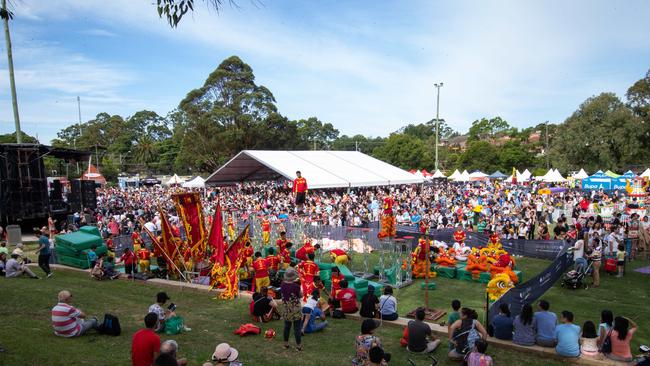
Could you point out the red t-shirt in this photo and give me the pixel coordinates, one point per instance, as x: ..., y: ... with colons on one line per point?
x: 337, y: 252
x: 300, y: 185
x: 261, y: 268
x: 145, y: 343
x: 348, y: 299
x: 303, y: 251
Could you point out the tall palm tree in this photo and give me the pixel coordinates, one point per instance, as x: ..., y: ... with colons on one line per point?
x: 145, y: 150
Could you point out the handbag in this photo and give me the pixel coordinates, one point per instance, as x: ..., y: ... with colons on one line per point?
x: 606, y: 347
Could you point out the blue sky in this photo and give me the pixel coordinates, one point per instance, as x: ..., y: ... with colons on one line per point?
x: 366, y: 66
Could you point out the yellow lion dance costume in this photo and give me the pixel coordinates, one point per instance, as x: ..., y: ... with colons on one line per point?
x: 446, y: 259
x: 418, y: 265
x: 476, y: 263
x: 498, y: 286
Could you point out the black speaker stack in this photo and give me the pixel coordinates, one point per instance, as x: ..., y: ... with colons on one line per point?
x: 23, y: 184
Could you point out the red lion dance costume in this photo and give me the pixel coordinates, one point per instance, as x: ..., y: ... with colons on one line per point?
x: 388, y: 225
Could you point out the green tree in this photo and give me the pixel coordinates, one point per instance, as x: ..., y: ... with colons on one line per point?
x: 602, y: 134
x: 479, y: 155
x: 484, y: 128
x: 638, y: 97
x: 10, y: 138
x: 404, y: 151
x: 313, y: 132
x: 145, y: 151
x: 514, y: 154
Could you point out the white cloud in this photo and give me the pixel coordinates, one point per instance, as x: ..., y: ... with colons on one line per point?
x: 98, y: 32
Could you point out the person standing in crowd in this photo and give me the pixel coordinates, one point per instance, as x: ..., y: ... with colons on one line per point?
x: 69, y: 321
x: 596, y: 257
x: 145, y: 345
x: 544, y: 323
x: 568, y: 336
x: 261, y: 268
x: 43, y: 252
x: 299, y: 192
x: 291, y: 309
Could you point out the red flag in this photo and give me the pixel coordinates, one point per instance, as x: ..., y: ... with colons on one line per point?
x: 190, y: 211
x: 167, y: 236
x: 215, y: 239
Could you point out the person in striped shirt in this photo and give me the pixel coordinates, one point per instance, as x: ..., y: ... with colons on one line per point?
x: 69, y: 321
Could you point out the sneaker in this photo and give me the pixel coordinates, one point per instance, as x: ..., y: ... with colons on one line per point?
x: 49, y: 275
x: 187, y: 329
x: 36, y: 278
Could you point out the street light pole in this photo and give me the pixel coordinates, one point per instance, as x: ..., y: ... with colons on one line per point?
x: 10, y: 64
x: 438, y: 86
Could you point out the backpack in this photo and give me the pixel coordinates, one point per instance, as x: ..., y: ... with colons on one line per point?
x: 606, y: 347
x: 338, y: 314
x: 110, y: 326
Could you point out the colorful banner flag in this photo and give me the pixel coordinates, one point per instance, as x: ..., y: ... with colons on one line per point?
x: 215, y: 239
x: 190, y: 212
x: 228, y: 274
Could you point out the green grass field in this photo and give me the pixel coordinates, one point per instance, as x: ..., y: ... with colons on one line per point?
x: 26, y: 333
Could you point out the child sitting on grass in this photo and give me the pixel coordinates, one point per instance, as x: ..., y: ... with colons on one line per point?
x: 478, y: 357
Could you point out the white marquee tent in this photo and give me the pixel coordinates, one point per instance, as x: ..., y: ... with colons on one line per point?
x: 438, y: 174
x: 175, y: 180
x: 580, y: 175
x: 478, y: 175
x: 646, y: 173
x: 454, y: 175
x: 463, y: 177
x: 197, y: 182
x: 526, y: 175
x: 322, y: 169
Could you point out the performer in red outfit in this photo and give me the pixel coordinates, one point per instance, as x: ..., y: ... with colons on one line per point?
x: 266, y: 231
x: 282, y: 242
x: 459, y: 235
x: 299, y: 191
x: 307, y: 271
x: 388, y: 225
x: 305, y: 250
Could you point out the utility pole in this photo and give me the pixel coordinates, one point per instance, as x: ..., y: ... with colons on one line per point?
x: 438, y: 86
x: 10, y: 64
x: 74, y: 141
x: 356, y: 146
x: 547, y: 161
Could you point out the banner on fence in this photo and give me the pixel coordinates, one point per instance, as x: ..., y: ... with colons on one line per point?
x: 534, y: 288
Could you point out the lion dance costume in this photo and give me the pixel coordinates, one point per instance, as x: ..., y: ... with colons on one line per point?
x: 388, y: 224
x: 419, y: 260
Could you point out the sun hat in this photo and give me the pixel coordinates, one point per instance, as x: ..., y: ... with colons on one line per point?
x: 223, y: 352
x: 291, y: 275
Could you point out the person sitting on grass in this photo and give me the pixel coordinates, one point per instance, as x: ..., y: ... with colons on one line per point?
x: 348, y: 298
x: 464, y: 333
x: 377, y: 357
x: 108, y: 267
x: 605, y: 326
x: 264, y: 307
x: 420, y: 337
x: 621, y: 336
x: 3, y: 263
x: 145, y: 345
x: 14, y: 269
x: 589, y: 340
x: 224, y: 355
x: 388, y: 305
x: 524, y: 334
x: 69, y: 321
x: 544, y: 323
x: 369, y: 304
x: 568, y: 336
x: 312, y: 312
x: 164, y: 315
x: 454, y: 315
x: 502, y: 323
x: 367, y: 341
x: 478, y: 357
x: 169, y: 355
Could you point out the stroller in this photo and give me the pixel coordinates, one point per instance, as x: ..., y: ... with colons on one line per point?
x: 575, y: 278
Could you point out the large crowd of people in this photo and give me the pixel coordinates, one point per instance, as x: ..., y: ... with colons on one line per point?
x: 510, y: 211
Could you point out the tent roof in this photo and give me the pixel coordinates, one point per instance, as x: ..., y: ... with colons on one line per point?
x: 454, y: 175
x: 463, y: 177
x: 197, y: 182
x: 477, y: 175
x: 322, y: 169
x: 611, y: 174
x: 497, y: 175
x: 628, y: 175
x: 553, y: 176
x: 581, y: 174
x: 646, y: 173
x: 175, y: 180
x: 438, y: 174
x: 92, y: 173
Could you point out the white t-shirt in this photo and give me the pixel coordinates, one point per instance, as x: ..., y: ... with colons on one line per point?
x: 579, y: 249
